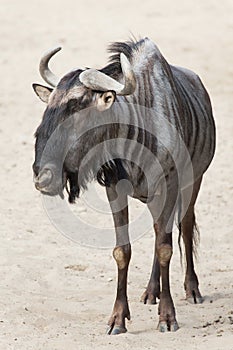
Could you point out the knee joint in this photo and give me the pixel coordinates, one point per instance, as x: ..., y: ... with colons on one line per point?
x: 122, y: 256
x: 164, y: 254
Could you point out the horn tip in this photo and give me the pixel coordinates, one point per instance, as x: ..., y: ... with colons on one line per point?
x: 51, y: 52
x: 55, y: 49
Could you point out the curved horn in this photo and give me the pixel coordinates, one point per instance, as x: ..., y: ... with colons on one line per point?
x: 97, y: 80
x: 45, y: 72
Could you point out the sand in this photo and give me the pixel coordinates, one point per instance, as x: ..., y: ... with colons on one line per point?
x: 56, y: 294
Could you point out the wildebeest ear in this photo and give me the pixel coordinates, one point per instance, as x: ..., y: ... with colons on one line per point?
x: 105, y: 100
x: 42, y: 91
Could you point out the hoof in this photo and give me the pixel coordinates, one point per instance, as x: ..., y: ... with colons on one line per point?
x: 174, y: 327
x: 194, y: 298
x: 149, y: 298
x: 165, y: 327
x: 114, y: 330
x: 198, y: 300
x: 193, y: 295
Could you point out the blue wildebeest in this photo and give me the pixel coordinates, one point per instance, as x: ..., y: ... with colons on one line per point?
x: 137, y: 76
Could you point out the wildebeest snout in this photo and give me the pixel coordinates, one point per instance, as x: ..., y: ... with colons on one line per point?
x: 43, y: 179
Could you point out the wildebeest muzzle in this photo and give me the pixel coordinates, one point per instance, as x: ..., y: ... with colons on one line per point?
x: 47, y: 181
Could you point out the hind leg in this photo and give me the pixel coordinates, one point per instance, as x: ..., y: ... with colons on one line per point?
x: 153, y: 289
x: 163, y: 224
x: 193, y: 294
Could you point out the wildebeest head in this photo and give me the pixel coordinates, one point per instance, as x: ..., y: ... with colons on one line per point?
x: 79, y: 90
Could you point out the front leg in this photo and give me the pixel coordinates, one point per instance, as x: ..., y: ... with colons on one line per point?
x: 153, y: 289
x: 122, y: 255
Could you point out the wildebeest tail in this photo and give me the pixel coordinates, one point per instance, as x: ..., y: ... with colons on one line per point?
x: 195, y: 231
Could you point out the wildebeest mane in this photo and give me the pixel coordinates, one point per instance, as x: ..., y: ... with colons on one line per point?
x: 128, y: 48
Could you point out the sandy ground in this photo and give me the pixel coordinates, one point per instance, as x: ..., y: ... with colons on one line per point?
x: 44, y: 304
